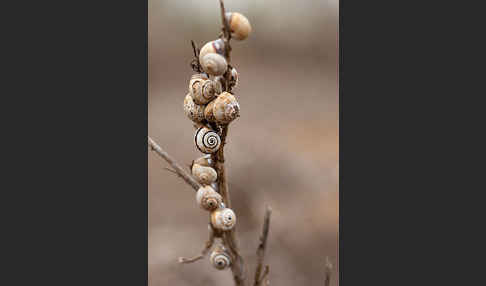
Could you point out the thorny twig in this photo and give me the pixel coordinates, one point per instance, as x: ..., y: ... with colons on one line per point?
x: 261, y: 248
x: 205, y: 250
x: 177, y: 168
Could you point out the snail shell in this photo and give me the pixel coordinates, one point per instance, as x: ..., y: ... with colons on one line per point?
x: 233, y: 82
x: 214, y: 64
x: 213, y: 47
x: 204, y: 175
x: 223, y: 219
x: 205, y: 91
x: 208, y: 199
x: 193, y: 111
x: 207, y: 141
x: 239, y: 25
x: 220, y: 258
x: 204, y: 161
x: 225, y: 108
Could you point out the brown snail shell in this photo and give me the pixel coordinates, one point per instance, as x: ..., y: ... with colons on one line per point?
x: 204, y: 175
x: 205, y: 91
x: 220, y: 258
x: 214, y: 64
x: 207, y: 140
x: 225, y: 108
x: 223, y: 219
x: 208, y: 199
x: 239, y: 25
x: 193, y: 111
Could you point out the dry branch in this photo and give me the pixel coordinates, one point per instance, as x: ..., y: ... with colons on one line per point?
x: 205, y: 250
x: 262, y: 247
x: 177, y: 168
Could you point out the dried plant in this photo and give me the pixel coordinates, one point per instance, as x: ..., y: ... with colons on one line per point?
x: 211, y: 105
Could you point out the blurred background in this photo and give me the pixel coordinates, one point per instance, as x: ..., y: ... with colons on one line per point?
x: 282, y: 151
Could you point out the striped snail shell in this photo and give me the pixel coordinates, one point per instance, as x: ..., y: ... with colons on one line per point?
x: 208, y: 199
x: 193, y: 111
x: 203, y: 174
x: 214, y: 64
x: 220, y: 258
x: 225, y: 108
x: 239, y: 25
x: 207, y: 141
x: 223, y: 219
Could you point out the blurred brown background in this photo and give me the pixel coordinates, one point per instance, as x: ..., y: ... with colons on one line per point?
x: 282, y: 151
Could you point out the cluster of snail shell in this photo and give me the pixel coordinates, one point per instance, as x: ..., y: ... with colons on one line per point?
x: 207, y: 105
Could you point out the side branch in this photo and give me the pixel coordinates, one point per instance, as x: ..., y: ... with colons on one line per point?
x: 261, y: 249
x: 205, y: 250
x: 177, y: 168
x: 328, y: 268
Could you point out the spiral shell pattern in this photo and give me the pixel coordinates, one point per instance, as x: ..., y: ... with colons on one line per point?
x: 193, y: 111
x: 204, y: 175
x: 207, y: 141
x: 223, y: 219
x: 220, y: 259
x: 225, y: 108
x: 208, y: 199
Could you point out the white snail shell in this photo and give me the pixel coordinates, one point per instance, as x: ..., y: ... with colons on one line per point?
x: 220, y: 259
x: 239, y: 25
x: 207, y: 141
x: 223, y: 219
x: 214, y: 64
x: 208, y: 199
x: 225, y: 108
x: 193, y: 111
x: 204, y: 175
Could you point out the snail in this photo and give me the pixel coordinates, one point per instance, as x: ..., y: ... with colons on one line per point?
x: 220, y: 258
x: 211, y: 57
x: 204, y: 175
x: 224, y: 109
x: 193, y: 111
x: 214, y: 64
x: 213, y: 47
x: 223, y: 219
x: 204, y: 90
x: 207, y: 141
x: 239, y: 25
x: 208, y: 199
